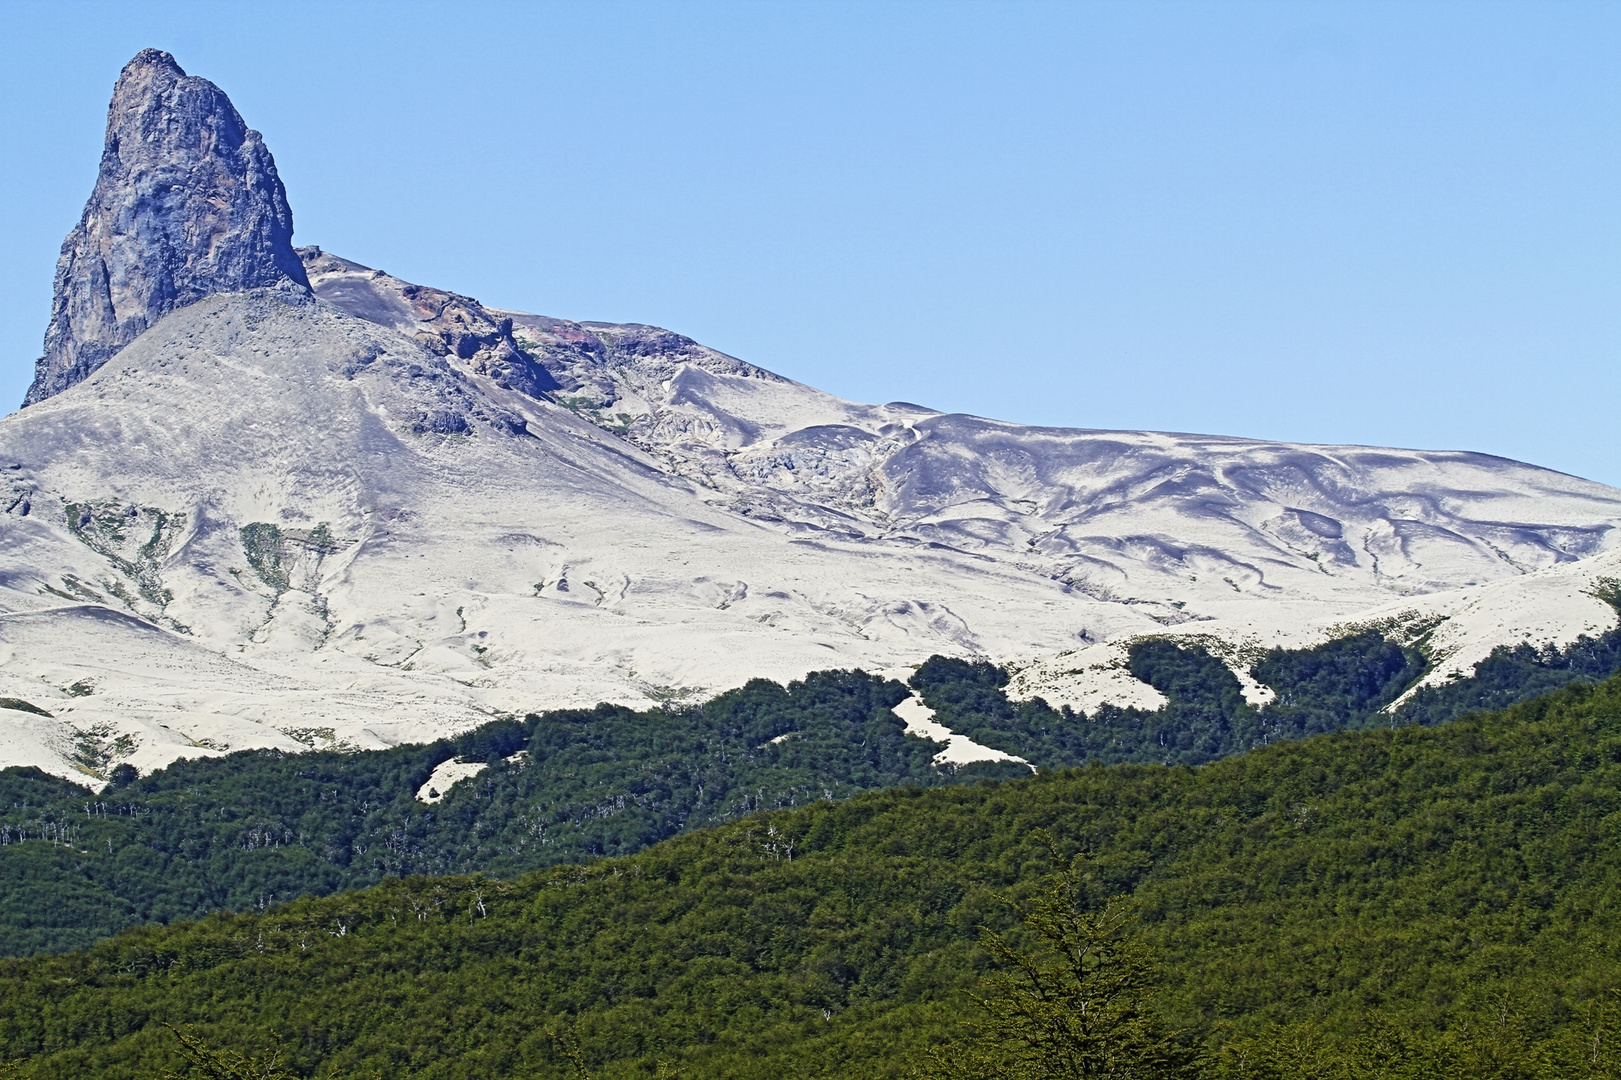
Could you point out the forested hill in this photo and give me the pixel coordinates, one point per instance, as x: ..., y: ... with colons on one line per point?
x: 256, y: 828
x: 1444, y: 901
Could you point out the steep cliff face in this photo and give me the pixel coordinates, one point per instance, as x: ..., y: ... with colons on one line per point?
x: 187, y: 204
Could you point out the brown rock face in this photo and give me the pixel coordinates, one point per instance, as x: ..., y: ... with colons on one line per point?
x: 187, y: 204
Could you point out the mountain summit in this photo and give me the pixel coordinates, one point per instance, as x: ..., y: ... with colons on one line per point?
x: 187, y: 204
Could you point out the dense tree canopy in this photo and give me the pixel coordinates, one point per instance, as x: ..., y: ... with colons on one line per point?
x: 1449, y: 894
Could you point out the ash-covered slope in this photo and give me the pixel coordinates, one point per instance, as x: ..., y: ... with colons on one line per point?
x: 341, y: 537
x: 1185, y: 527
x: 271, y: 522
x: 187, y: 204
x: 382, y: 511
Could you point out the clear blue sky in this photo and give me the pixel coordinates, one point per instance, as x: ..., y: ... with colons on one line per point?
x: 1388, y: 223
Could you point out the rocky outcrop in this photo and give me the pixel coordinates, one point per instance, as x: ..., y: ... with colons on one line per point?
x: 187, y: 204
x: 594, y: 364
x: 445, y: 323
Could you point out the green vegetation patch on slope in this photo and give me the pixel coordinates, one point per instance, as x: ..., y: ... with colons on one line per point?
x: 1417, y: 877
x: 1512, y: 675
x: 1344, y: 684
x: 1341, y: 684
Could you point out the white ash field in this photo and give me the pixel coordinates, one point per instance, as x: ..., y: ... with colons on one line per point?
x: 295, y: 521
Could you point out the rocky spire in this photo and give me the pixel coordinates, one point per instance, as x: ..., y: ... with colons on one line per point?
x: 187, y: 204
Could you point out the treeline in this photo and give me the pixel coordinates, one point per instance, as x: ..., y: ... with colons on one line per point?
x: 1342, y: 684
x: 250, y: 829
x: 242, y: 831
x: 1345, y: 684
x: 1389, y: 902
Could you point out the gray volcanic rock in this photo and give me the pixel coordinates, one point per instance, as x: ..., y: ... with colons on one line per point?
x: 444, y: 323
x: 187, y: 204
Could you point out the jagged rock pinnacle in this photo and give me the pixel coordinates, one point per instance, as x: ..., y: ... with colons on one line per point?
x: 187, y: 204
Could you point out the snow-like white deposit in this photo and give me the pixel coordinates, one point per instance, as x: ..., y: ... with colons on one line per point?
x: 1083, y: 679
x: 269, y: 522
x: 960, y: 749
x: 446, y: 775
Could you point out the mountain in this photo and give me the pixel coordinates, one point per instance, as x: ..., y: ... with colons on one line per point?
x: 367, y: 512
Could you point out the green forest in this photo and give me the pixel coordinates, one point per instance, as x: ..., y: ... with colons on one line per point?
x: 249, y: 830
x: 1395, y: 901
